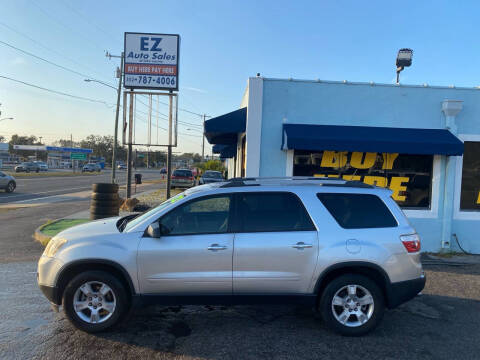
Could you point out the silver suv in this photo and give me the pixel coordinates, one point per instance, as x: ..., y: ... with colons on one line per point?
x: 343, y: 247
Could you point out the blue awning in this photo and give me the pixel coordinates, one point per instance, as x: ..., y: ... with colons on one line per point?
x: 224, y: 129
x: 225, y: 151
x: 371, y: 139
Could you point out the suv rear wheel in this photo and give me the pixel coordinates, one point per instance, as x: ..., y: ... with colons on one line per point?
x: 352, y: 305
x: 94, y: 301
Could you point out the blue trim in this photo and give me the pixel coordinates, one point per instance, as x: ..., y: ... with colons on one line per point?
x: 67, y: 149
x: 224, y: 129
x: 370, y: 139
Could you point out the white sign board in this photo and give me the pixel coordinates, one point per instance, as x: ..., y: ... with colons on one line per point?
x: 151, y: 61
x: 30, y: 147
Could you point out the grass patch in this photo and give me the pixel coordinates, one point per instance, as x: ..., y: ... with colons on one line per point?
x: 52, y: 228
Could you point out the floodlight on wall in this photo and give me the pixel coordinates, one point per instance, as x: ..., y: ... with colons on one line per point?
x: 404, y: 58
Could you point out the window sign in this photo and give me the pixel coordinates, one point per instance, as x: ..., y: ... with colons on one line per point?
x: 470, y: 192
x: 408, y: 176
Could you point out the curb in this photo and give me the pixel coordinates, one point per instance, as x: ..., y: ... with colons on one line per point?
x: 41, y: 237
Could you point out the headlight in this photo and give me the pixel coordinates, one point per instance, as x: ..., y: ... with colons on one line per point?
x: 53, y: 245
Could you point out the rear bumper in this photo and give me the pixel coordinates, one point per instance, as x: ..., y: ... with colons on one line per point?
x: 403, y: 291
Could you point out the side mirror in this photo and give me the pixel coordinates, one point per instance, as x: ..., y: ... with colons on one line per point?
x: 153, y: 230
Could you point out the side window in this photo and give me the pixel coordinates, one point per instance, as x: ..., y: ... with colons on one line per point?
x: 276, y: 211
x: 358, y: 211
x: 209, y: 215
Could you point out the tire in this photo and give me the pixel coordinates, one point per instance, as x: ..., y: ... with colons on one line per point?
x: 95, y: 216
x: 370, y: 314
x: 103, y: 196
x: 10, y: 187
x: 116, y: 298
x: 104, y: 203
x: 113, y: 210
x: 105, y: 188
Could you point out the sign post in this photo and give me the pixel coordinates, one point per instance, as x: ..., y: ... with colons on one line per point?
x: 150, y: 62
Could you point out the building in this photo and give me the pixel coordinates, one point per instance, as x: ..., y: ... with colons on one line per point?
x: 422, y: 142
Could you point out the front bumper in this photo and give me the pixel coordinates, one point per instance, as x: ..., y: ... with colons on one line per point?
x: 402, y: 291
x: 51, y: 293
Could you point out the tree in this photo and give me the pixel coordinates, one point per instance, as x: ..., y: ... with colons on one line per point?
x: 215, y: 165
x: 2, y: 138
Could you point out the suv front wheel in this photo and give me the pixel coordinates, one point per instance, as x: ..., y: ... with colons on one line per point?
x: 94, y: 301
x: 352, y: 305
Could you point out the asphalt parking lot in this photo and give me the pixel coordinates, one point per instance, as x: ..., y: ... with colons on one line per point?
x: 440, y: 324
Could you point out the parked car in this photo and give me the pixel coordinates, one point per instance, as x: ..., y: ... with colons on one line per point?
x: 210, y: 176
x: 91, y: 167
x: 344, y: 247
x: 122, y: 167
x: 182, y: 178
x: 27, y: 167
x: 7, y: 182
x: 43, y: 166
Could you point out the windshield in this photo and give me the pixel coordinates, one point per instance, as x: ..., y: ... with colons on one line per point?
x: 137, y: 220
x: 213, y: 174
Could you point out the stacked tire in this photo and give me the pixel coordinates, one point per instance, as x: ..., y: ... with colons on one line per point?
x: 105, y: 201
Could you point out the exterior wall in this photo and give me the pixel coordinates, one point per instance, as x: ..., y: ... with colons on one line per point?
x: 335, y: 103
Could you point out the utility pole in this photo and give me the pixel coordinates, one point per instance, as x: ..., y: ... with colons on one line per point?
x: 203, y: 139
x: 119, y: 90
x: 115, y: 136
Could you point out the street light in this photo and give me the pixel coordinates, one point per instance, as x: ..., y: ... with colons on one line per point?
x: 100, y: 82
x: 7, y: 118
x: 115, y: 136
x: 404, y: 58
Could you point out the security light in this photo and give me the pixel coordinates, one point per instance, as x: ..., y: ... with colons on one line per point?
x: 404, y: 58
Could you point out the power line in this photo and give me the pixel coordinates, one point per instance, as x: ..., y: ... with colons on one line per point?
x: 55, y: 91
x: 45, y: 47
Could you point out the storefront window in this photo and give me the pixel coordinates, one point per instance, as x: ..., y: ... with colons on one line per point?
x: 470, y: 195
x: 408, y: 176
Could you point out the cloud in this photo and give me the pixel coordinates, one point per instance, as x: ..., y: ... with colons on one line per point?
x: 19, y: 61
x: 195, y: 89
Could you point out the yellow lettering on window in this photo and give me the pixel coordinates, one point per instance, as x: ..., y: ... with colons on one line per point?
x: 367, y: 163
x: 334, y: 159
x: 396, y: 185
x: 318, y: 175
x: 351, y: 177
x: 333, y: 175
x: 478, y: 198
x: 388, y: 160
x: 376, y: 180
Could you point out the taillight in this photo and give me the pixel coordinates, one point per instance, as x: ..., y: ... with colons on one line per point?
x: 411, y: 242
x: 191, y: 178
x: 173, y: 176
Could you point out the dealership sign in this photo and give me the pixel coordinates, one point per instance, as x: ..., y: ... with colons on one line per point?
x: 151, y: 61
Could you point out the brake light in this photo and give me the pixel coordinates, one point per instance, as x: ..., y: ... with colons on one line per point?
x: 411, y: 242
x: 191, y: 177
x: 173, y: 176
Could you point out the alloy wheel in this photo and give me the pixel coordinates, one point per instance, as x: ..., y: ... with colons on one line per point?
x: 352, y: 305
x: 94, y: 302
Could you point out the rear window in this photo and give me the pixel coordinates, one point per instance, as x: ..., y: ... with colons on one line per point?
x: 213, y: 174
x: 358, y: 211
x: 184, y: 173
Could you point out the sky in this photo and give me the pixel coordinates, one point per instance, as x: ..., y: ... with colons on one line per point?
x: 223, y: 43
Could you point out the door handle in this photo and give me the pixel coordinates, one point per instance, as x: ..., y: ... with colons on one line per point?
x: 301, y: 245
x: 215, y: 247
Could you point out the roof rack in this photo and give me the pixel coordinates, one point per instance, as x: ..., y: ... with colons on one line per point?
x: 293, y: 180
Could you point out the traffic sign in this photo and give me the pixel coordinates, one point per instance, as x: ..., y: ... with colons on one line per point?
x: 78, y: 156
